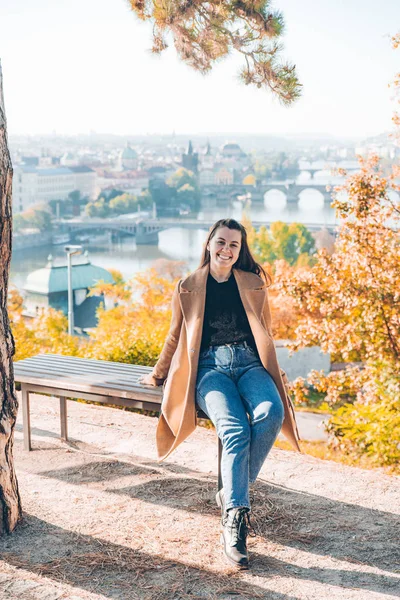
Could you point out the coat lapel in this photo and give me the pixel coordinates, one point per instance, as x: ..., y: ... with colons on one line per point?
x: 192, y: 297
x: 252, y: 292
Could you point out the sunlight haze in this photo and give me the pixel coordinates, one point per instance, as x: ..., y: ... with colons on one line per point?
x: 75, y: 67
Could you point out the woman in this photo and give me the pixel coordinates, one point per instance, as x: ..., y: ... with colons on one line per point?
x: 219, y: 355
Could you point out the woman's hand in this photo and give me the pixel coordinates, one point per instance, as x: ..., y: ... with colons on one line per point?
x: 148, y: 379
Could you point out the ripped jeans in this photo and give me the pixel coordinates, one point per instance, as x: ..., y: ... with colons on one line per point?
x: 241, y: 399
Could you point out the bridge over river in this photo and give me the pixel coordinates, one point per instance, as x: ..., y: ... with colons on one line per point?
x: 291, y: 190
x: 146, y: 230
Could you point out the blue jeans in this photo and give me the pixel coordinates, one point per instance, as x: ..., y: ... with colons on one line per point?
x: 241, y: 399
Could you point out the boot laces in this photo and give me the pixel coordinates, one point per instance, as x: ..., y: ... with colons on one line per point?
x: 241, y: 526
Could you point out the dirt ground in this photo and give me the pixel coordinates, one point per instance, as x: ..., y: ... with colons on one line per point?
x: 103, y: 520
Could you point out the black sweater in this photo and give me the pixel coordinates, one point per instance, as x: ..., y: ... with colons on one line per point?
x: 225, y: 320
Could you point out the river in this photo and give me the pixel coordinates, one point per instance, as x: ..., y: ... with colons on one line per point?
x: 177, y: 243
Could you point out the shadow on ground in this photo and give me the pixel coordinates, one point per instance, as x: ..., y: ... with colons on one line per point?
x: 310, y: 523
x: 116, y: 571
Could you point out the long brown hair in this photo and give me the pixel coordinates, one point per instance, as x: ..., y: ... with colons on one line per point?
x: 245, y: 261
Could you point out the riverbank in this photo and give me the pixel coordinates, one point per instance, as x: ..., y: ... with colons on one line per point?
x: 27, y: 241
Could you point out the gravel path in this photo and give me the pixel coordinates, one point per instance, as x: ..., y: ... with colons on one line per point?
x: 103, y: 520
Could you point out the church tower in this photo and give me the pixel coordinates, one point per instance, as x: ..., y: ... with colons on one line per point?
x: 190, y: 160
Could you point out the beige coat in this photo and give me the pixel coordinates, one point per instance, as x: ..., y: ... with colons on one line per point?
x: 177, y: 364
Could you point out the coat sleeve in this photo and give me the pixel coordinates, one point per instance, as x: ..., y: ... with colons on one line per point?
x: 268, y: 325
x: 161, y: 368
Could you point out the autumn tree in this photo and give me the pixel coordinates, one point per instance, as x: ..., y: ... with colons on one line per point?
x: 351, y: 306
x: 141, y: 316
x: 286, y: 313
x: 263, y: 168
x: 185, y: 184
x: 287, y: 247
x: 37, y: 217
x: 99, y: 208
x: 47, y: 332
x: 291, y: 242
x: 348, y: 303
x: 124, y: 204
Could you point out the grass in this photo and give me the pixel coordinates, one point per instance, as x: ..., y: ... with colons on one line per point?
x: 322, y: 450
x: 315, y: 403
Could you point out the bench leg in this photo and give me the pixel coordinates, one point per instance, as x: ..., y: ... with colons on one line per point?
x: 219, y: 465
x: 26, y: 418
x: 63, y: 418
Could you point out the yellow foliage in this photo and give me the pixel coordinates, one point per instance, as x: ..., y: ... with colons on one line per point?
x: 130, y: 335
x: 134, y: 332
x: 249, y: 180
x: 15, y: 303
x: 247, y: 224
x: 285, y: 313
x: 46, y: 333
x: 118, y: 290
x: 117, y: 275
x: 155, y: 291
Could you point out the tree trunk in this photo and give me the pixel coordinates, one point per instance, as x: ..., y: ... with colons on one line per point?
x: 10, y: 502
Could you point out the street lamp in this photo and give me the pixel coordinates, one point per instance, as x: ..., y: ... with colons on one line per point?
x: 70, y: 250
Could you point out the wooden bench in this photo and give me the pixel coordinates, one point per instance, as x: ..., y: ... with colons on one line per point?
x: 97, y: 380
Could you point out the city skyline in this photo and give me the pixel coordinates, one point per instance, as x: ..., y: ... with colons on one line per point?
x: 73, y: 69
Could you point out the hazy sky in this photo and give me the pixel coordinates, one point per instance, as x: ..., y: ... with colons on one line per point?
x: 72, y: 66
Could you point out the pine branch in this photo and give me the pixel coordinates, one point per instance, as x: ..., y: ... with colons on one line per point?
x: 204, y: 32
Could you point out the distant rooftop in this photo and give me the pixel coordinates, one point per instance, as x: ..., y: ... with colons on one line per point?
x: 81, y: 169
x: 54, y: 171
x: 232, y: 148
x: 129, y: 153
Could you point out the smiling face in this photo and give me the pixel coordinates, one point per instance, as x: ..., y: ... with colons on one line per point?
x: 224, y: 248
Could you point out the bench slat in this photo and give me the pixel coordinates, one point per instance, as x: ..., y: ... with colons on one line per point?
x: 79, y: 371
x: 86, y: 378
x: 40, y: 362
x: 108, y: 388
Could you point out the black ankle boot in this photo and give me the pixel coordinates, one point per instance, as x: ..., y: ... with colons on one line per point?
x: 236, y: 527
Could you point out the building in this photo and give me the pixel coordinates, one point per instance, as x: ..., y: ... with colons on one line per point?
x: 68, y: 159
x: 33, y: 185
x: 190, y: 160
x: 207, y: 177
x: 161, y: 173
x: 207, y: 158
x: 129, y: 158
x: 132, y: 182
x: 224, y: 176
x: 232, y: 150
x: 85, y: 181
x: 231, y: 155
x: 48, y: 288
